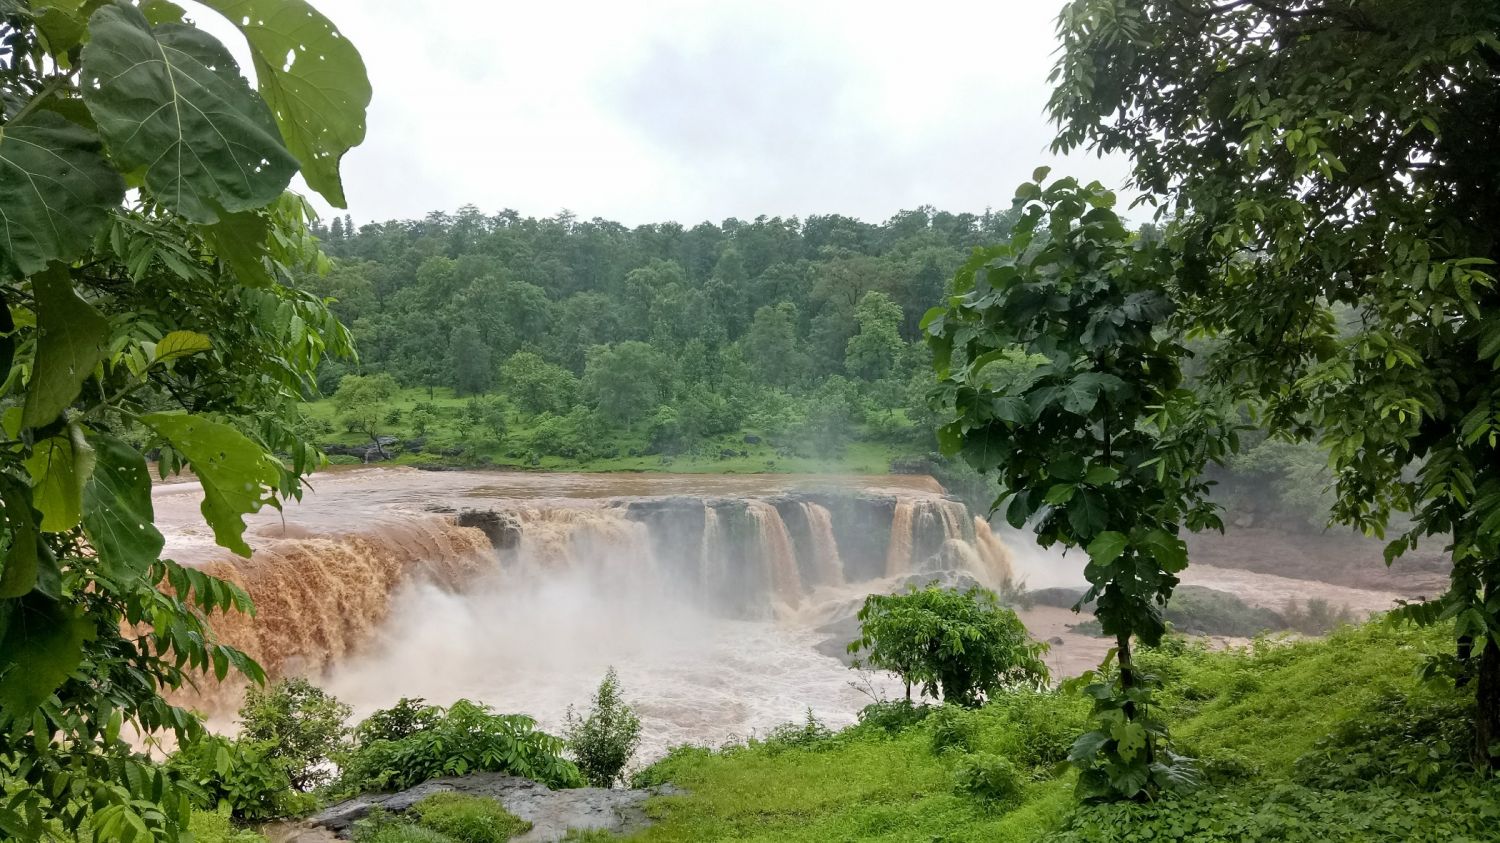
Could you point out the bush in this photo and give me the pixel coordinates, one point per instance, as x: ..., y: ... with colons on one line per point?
x: 465, y: 738
x: 988, y: 778
x: 960, y: 646
x: 952, y: 728
x: 301, y: 724
x: 808, y: 734
x: 603, y: 742
x: 407, y: 717
x: 894, y: 716
x: 246, y: 776
x: 215, y: 827
x: 468, y: 819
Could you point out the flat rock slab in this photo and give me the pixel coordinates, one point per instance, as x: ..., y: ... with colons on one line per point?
x: 552, y: 813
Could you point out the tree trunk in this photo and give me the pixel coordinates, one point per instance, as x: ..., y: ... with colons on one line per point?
x: 1487, y: 713
x: 1127, y: 681
x: 1465, y: 655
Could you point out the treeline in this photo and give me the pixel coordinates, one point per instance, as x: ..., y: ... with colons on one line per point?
x: 796, y: 327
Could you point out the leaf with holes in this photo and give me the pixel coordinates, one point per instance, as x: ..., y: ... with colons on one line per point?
x: 56, y: 188
x: 72, y: 338
x: 170, y: 100
x: 237, y: 475
x: 314, y: 80
x: 117, y: 512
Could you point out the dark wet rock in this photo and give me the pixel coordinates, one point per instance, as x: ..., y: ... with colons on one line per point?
x: 1056, y: 641
x: 552, y: 813
x: 1063, y: 597
x: 752, y: 439
x: 503, y: 529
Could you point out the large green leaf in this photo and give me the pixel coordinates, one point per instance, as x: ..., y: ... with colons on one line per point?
x: 43, y: 644
x: 72, y: 337
x: 312, y: 77
x: 117, y: 512
x: 58, y: 472
x: 170, y: 100
x: 56, y: 188
x: 237, y: 476
x: 22, y: 559
x: 240, y: 242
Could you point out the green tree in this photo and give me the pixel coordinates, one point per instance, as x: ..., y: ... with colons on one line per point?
x: 360, y: 402
x: 469, y: 361
x: 958, y: 646
x: 603, y: 741
x: 162, y: 318
x: 626, y: 380
x: 771, y: 344
x: 301, y: 723
x: 535, y: 385
x: 873, y: 351
x: 1061, y: 381
x: 1316, y: 156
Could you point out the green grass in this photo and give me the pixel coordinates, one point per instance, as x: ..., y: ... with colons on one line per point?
x: 861, y: 456
x: 215, y: 827
x: 1321, y: 740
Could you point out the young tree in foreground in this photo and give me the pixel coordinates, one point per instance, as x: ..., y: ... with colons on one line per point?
x: 158, y: 317
x: 1323, y: 155
x: 1052, y: 359
x: 958, y: 646
x: 603, y: 741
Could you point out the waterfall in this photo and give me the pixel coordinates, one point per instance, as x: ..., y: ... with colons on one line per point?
x: 776, y: 552
x: 317, y: 599
x: 828, y: 563
x: 712, y: 555
x: 995, y: 554
x: 898, y: 557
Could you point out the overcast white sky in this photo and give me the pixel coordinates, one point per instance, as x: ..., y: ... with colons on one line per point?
x: 658, y: 110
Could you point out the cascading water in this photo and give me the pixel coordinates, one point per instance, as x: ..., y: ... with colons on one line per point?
x: 825, y: 545
x: 898, y: 557
x: 777, y: 554
x: 708, y: 599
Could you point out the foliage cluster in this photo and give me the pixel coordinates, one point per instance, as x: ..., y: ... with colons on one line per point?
x: 465, y: 737
x: 1322, y: 169
x: 958, y: 646
x: 148, y: 304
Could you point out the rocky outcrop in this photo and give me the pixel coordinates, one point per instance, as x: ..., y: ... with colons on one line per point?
x: 552, y: 813
x: 503, y: 529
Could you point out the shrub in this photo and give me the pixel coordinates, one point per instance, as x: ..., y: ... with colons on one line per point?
x: 245, y: 775
x: 603, y: 741
x: 215, y: 827
x: 465, y: 738
x: 808, y: 734
x: 894, y: 716
x: 960, y: 646
x: 468, y: 819
x: 989, y: 778
x: 408, y: 716
x: 952, y: 728
x: 300, y: 723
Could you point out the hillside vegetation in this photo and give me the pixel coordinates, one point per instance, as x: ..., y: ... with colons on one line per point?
x: 1331, y: 739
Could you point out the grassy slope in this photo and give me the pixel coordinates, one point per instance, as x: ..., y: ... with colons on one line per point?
x: 1249, y: 716
x: 860, y: 457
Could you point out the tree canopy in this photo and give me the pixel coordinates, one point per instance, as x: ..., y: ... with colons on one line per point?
x: 163, y: 320
x: 1318, y: 158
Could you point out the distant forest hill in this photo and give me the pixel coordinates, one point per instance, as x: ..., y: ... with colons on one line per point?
x: 783, y: 326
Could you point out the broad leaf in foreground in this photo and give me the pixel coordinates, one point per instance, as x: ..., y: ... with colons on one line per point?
x: 170, y: 100
x: 312, y: 77
x: 117, y: 512
x: 72, y: 338
x: 42, y: 643
x: 56, y: 188
x: 237, y: 476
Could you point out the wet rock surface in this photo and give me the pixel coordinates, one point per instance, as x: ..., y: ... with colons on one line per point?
x: 552, y: 813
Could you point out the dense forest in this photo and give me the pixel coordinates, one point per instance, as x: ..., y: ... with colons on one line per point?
x: 802, y: 329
